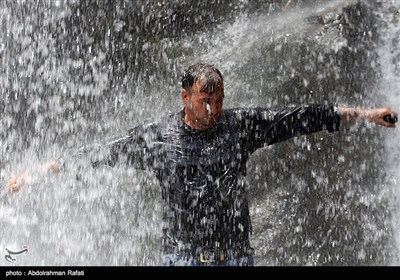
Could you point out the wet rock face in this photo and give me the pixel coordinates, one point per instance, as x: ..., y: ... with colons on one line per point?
x: 172, y: 18
x: 314, y: 215
x: 122, y: 30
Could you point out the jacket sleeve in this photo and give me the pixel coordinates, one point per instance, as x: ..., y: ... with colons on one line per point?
x: 272, y: 126
x: 133, y: 150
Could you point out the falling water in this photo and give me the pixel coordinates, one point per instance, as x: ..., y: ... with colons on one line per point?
x: 388, y: 89
x: 316, y: 200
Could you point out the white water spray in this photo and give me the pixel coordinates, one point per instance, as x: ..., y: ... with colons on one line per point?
x: 389, y: 90
x: 109, y: 216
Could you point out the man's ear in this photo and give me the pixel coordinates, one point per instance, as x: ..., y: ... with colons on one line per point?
x: 185, y: 96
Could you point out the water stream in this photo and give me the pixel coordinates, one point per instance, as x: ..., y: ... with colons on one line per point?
x: 318, y: 200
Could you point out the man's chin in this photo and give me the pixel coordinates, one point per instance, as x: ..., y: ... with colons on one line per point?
x: 206, y: 125
x: 211, y: 122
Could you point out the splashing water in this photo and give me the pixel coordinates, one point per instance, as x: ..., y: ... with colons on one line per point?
x: 388, y: 90
x: 58, y: 95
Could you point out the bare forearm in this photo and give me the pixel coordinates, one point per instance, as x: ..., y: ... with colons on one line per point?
x: 351, y: 114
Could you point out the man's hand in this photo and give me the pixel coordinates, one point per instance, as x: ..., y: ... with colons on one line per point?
x: 379, y: 116
x: 376, y: 115
x: 16, y: 182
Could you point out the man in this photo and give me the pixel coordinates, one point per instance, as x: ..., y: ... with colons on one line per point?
x: 199, y: 156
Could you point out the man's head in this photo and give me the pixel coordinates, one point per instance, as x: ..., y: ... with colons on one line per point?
x: 202, y: 95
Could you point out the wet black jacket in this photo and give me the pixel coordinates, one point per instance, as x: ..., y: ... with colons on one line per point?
x: 203, y: 172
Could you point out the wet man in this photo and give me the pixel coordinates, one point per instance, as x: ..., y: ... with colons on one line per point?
x: 199, y: 156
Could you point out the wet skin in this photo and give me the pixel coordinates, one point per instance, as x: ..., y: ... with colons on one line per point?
x: 202, y: 108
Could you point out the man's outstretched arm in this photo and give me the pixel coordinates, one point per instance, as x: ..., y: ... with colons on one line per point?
x: 381, y: 116
x: 129, y: 148
x: 17, y: 181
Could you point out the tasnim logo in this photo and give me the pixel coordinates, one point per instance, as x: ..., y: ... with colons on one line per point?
x: 9, y: 256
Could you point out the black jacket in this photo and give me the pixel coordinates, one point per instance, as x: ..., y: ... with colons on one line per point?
x: 203, y: 172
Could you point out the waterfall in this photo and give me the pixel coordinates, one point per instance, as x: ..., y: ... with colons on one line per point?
x: 75, y: 74
x: 387, y: 92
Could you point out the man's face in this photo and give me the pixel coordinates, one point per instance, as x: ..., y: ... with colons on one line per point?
x: 202, y: 108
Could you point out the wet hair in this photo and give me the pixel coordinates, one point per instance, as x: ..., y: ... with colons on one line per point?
x: 211, y: 76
